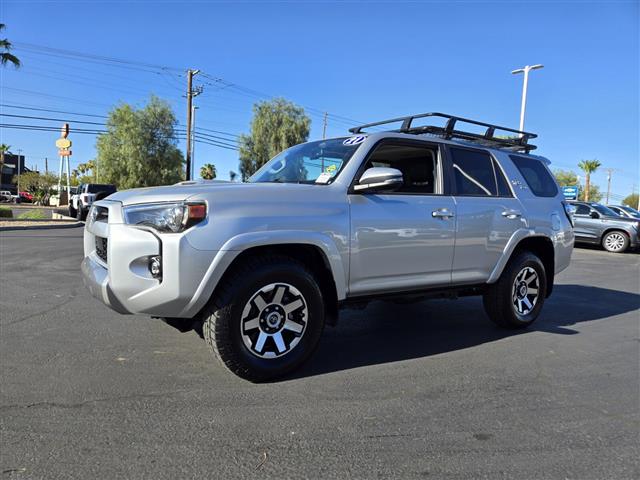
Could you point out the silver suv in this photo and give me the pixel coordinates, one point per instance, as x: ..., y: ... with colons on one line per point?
x: 258, y: 268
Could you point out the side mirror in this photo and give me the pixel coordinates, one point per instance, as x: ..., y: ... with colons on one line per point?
x: 594, y: 214
x: 378, y: 179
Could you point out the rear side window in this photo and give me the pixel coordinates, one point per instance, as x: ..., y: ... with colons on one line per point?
x: 476, y: 174
x: 536, y: 175
x: 582, y: 209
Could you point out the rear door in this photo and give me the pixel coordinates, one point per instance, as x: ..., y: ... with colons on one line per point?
x: 402, y: 239
x: 487, y: 213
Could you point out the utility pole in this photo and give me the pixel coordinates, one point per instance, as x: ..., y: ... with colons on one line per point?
x: 609, y: 172
x: 526, y: 69
x: 190, y: 94
x: 46, y: 166
x: 324, y: 126
x: 19, y: 152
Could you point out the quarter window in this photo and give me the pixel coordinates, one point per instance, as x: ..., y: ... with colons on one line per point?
x: 536, y: 175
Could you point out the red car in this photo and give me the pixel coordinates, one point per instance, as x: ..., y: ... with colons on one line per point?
x: 26, y: 197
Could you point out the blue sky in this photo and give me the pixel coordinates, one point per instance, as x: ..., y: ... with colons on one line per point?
x: 360, y: 60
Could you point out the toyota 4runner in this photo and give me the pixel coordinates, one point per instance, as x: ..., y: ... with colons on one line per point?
x: 259, y: 268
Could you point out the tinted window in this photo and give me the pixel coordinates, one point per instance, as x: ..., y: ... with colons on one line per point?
x: 582, y: 209
x: 95, y: 188
x: 418, y: 165
x: 473, y: 173
x: 536, y: 175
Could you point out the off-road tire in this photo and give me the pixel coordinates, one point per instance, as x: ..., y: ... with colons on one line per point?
x: 81, y: 213
x: 622, y: 235
x: 498, y: 299
x: 222, y: 317
x: 72, y: 211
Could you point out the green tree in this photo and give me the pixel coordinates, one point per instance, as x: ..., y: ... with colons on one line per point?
x: 5, y: 55
x: 277, y: 125
x: 588, y: 167
x: 232, y: 175
x: 208, y: 171
x: 566, y: 178
x: 631, y: 200
x: 140, y: 148
x: 595, y: 195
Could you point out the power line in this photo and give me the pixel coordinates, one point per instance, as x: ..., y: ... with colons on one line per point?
x: 52, y: 111
x: 136, y: 65
x: 50, y: 119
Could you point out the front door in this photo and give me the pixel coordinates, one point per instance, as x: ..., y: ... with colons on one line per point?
x: 403, y: 239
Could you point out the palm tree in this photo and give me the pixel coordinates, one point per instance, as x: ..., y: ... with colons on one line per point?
x: 208, y: 171
x: 4, y: 148
x: 5, y: 56
x: 588, y: 167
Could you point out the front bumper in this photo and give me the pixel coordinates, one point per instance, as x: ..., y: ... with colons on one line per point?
x: 115, y: 267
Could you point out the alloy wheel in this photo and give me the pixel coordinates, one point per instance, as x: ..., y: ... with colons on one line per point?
x: 614, y: 242
x: 525, y: 291
x: 274, y: 320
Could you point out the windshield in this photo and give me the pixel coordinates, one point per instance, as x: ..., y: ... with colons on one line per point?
x: 631, y: 211
x: 314, y: 162
x: 604, y: 210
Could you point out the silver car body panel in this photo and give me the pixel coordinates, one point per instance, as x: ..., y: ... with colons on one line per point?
x: 371, y: 243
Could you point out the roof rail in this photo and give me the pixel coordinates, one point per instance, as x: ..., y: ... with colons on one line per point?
x: 515, y: 143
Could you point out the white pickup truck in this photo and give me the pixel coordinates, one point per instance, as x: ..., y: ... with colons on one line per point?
x: 88, y: 193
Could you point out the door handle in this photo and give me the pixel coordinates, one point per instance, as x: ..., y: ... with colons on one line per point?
x: 442, y: 213
x: 512, y: 213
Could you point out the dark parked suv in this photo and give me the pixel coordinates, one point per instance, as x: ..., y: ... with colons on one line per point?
x: 595, y: 223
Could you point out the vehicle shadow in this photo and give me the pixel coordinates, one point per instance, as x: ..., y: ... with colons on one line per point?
x: 386, y: 332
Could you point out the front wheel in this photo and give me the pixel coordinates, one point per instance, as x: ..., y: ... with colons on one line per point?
x: 516, y: 299
x: 266, y: 318
x: 72, y: 211
x: 615, y: 242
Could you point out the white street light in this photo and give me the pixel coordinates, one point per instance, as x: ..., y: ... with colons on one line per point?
x: 526, y: 71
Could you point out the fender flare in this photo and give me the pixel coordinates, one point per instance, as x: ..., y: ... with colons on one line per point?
x: 512, y: 244
x: 240, y: 243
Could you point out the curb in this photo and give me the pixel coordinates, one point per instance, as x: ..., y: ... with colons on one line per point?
x: 43, y: 227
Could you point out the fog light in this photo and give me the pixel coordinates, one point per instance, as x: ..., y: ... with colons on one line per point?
x: 155, y: 266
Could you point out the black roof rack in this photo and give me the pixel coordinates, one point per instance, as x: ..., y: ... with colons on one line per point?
x: 515, y: 143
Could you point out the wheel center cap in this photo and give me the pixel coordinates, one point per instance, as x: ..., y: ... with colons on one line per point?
x: 522, y: 290
x: 273, y: 319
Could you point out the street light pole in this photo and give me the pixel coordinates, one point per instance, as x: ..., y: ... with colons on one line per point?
x: 526, y: 69
x: 193, y: 140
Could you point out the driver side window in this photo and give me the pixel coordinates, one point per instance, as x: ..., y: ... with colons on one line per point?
x: 418, y: 164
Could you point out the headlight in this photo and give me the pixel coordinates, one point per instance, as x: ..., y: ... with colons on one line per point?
x: 166, y: 217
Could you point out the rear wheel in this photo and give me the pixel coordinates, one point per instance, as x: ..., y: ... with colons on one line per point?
x: 265, y: 319
x: 615, y: 242
x: 81, y: 213
x: 516, y: 299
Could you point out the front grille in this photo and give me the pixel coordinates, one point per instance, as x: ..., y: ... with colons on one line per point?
x: 101, y: 248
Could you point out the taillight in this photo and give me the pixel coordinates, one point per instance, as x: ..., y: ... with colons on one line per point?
x: 569, y: 210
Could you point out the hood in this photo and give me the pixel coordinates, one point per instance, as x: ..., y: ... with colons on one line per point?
x: 621, y: 219
x: 193, y: 190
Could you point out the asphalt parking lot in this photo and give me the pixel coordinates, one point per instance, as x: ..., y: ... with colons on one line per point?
x: 428, y: 390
